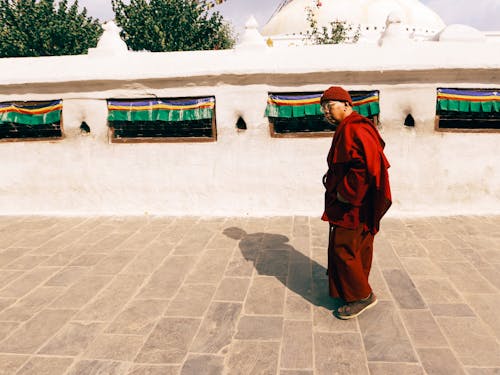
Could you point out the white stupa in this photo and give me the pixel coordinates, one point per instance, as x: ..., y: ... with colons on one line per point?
x: 290, y: 20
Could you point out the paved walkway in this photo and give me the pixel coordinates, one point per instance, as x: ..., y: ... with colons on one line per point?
x: 231, y: 296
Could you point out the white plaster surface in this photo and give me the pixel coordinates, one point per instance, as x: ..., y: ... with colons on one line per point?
x: 246, y: 172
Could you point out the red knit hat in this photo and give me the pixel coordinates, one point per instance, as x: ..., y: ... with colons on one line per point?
x: 336, y: 93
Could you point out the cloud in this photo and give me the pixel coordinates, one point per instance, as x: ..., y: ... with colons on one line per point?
x: 481, y: 14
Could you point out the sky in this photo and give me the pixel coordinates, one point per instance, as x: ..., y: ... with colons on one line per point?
x: 481, y: 14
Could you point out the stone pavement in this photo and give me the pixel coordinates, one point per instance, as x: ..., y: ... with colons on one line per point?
x: 165, y: 296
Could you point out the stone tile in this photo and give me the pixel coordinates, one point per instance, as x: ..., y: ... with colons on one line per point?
x: 297, y: 345
x: 253, y: 358
x: 437, y: 290
x: 217, y: 328
x: 31, y: 335
x: 6, y: 276
x: 154, y: 370
x: 88, y: 260
x: 378, y: 284
x: 191, y: 301
x: 62, y: 258
x: 210, y: 269
x: 273, y: 263
x: 483, y: 371
x: 487, y: 307
x: 297, y: 307
x: 296, y: 372
x: 260, y: 328
x: 471, y: 340
x: 411, y: 248
x: 493, y: 276
x: 116, y: 347
x: 9, y: 364
x: 138, y: 318
x: 72, y: 339
x: 81, y: 292
x: 27, y: 282
x: 197, y: 364
x: 221, y: 241
x: 6, y: 302
x: 442, y: 250
x: 402, y: 288
x: 452, y: 309
x: 421, y: 267
x: 167, y: 279
x: 94, y: 367
x: 169, y: 341
x: 232, y: 289
x: 348, y: 359
x: 466, y: 278
x: 266, y: 296
x: 423, y: 329
x: 384, y: 255
x: 387, y: 368
x: 148, y: 260
x: 67, y: 276
x: 240, y: 266
x: 6, y: 328
x: 193, y: 243
x: 45, y: 366
x: 324, y: 321
x: 29, y: 305
x: 112, y: 299
x: 439, y: 361
x: 300, y: 278
x: 384, y: 336
x: 113, y: 263
x: 26, y: 262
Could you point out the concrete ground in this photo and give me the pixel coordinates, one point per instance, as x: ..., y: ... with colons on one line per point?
x: 165, y: 296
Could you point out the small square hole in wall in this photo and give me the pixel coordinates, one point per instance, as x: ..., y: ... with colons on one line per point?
x: 409, y: 121
x: 84, y: 128
x: 241, y: 124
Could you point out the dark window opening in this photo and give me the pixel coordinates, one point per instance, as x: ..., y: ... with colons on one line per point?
x: 313, y: 125
x: 31, y: 120
x: 468, y: 109
x: 241, y: 124
x: 459, y: 120
x: 12, y: 130
x: 409, y: 121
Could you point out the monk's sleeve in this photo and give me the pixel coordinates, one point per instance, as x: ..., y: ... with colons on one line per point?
x: 356, y: 182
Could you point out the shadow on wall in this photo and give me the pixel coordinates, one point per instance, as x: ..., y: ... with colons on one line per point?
x: 273, y: 256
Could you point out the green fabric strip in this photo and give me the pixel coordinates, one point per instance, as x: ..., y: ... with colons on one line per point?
x: 368, y: 109
x: 468, y: 106
x: 25, y: 119
x: 162, y: 115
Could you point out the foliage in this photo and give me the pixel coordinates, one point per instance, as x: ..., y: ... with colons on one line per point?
x: 336, y: 32
x: 171, y: 25
x: 40, y: 28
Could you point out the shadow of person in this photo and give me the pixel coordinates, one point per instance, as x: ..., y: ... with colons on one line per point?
x: 272, y: 255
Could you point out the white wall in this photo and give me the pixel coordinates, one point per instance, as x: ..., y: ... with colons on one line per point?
x: 244, y: 172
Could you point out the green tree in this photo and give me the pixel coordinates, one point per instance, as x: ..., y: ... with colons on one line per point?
x: 336, y: 32
x: 40, y: 28
x: 171, y: 25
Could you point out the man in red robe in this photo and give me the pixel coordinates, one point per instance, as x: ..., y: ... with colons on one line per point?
x: 357, y: 196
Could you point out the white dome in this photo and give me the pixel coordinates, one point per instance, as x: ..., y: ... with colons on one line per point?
x: 292, y: 18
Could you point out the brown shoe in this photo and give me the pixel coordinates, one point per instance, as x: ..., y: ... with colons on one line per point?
x: 353, y: 309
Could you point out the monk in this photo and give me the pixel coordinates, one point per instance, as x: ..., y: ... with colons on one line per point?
x: 357, y: 196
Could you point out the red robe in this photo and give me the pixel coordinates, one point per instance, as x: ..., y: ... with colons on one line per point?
x: 357, y: 169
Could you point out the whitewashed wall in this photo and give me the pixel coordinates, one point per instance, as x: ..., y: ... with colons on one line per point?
x: 245, y: 172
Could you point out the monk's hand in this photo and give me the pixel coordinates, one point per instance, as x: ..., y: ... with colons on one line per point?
x: 341, y: 198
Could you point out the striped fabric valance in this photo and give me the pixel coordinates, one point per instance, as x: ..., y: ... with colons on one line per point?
x: 468, y: 100
x: 161, y: 109
x: 31, y: 113
x: 301, y: 105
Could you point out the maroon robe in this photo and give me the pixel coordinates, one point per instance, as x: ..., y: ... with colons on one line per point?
x: 357, y: 170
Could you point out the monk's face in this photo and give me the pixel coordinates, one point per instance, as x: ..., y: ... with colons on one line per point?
x: 335, y: 112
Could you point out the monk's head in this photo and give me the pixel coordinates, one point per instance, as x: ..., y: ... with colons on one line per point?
x: 336, y: 104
